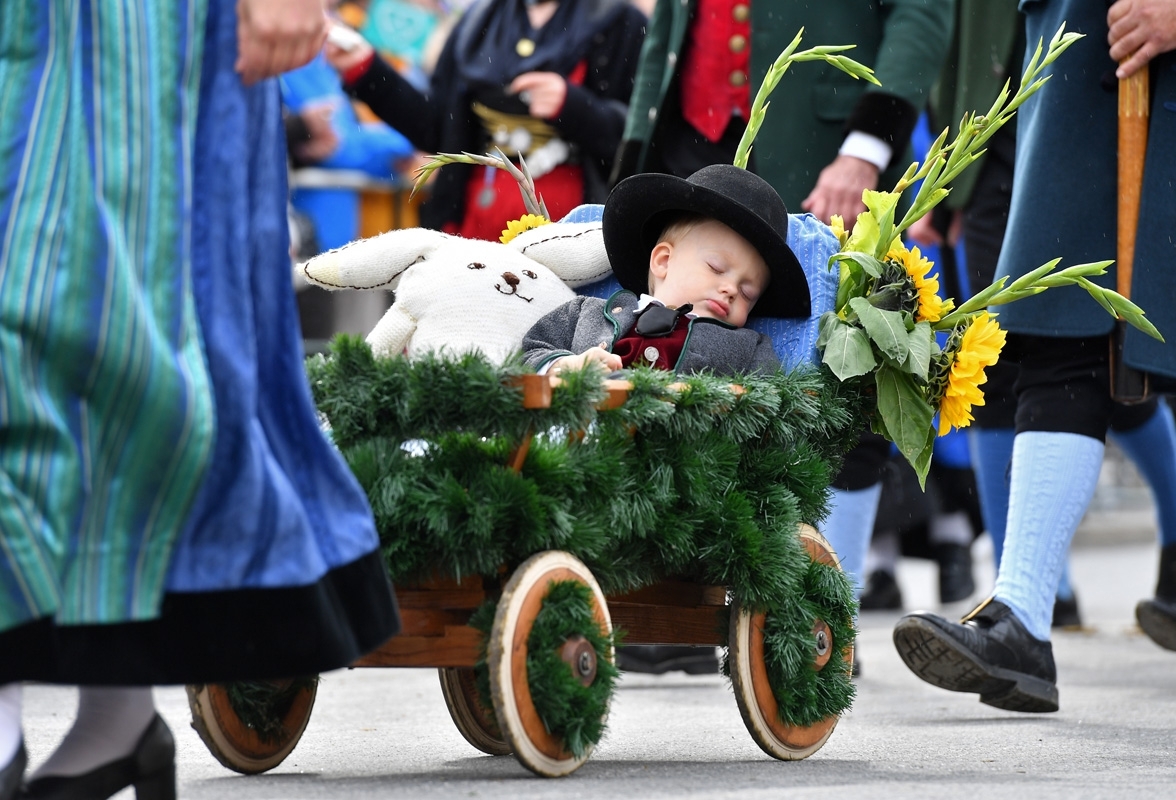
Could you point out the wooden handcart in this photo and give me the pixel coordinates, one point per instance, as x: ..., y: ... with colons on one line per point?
x: 436, y: 614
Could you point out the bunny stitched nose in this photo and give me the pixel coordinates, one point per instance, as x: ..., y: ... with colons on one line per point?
x: 512, y: 281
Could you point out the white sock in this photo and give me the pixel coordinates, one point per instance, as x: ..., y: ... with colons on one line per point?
x: 1054, y: 475
x: 849, y: 526
x: 953, y: 528
x: 884, y: 553
x: 10, y: 734
x: 109, y: 724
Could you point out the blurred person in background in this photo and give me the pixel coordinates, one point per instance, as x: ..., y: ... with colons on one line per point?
x: 545, y: 81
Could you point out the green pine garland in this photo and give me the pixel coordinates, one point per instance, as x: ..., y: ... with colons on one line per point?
x: 573, y: 713
x: 698, y: 483
x: 262, y: 705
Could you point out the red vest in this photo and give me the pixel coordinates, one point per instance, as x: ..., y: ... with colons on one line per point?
x: 715, y: 81
x: 660, y: 352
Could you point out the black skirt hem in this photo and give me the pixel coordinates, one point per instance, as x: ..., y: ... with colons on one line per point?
x: 212, y: 637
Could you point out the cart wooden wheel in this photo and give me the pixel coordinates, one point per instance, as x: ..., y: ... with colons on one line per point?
x: 475, y: 722
x: 749, y: 676
x: 522, y: 599
x: 241, y: 748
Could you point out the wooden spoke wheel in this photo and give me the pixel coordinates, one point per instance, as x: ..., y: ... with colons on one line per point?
x: 522, y: 599
x: 749, y: 676
x: 476, y: 722
x: 241, y: 748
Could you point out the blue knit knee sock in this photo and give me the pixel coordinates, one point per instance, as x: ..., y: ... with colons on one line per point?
x: 1053, y: 479
x: 992, y: 452
x: 1152, y: 447
x: 849, y: 526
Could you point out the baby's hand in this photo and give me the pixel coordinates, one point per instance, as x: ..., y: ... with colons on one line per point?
x: 609, y: 362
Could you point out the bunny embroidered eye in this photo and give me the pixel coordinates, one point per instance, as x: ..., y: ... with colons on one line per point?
x: 530, y: 274
x: 476, y: 265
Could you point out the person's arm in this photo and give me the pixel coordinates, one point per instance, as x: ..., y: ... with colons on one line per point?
x: 916, y: 36
x: 1140, y: 30
x: 593, y: 114
x: 552, y: 336
x: 391, y: 97
x: 764, y: 360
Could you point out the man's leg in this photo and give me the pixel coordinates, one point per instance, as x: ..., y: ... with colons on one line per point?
x: 1001, y: 650
x: 1151, y: 445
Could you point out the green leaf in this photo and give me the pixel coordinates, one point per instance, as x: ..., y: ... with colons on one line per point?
x: 870, y: 265
x: 885, y: 328
x: 825, y: 327
x: 922, y: 463
x: 919, y: 343
x: 847, y: 351
x: 904, y: 411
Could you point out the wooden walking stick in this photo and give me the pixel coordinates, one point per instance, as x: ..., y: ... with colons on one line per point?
x: 1129, y: 385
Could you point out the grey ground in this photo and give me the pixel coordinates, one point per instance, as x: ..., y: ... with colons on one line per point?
x: 385, y: 733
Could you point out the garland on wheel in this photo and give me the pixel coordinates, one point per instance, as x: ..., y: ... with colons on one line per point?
x: 686, y: 479
x: 262, y: 706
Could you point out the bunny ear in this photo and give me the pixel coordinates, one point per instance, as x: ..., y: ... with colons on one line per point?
x: 574, y: 251
x: 373, y: 263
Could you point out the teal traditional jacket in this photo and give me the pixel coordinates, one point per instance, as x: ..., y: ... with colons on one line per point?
x: 1065, y: 195
x: 986, y: 52
x: 815, y: 105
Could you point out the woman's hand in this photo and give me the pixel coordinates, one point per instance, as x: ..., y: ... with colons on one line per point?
x: 543, y: 92
x: 609, y: 362
x: 276, y: 36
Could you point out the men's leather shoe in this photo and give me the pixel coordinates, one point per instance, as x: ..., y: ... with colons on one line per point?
x: 882, y: 592
x: 1066, y: 614
x: 659, y: 659
x: 990, y: 652
x: 1157, y: 617
x: 956, y: 582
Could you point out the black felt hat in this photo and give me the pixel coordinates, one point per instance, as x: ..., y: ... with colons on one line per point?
x: 640, y: 207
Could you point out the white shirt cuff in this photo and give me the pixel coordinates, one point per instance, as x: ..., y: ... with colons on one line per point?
x: 867, y: 148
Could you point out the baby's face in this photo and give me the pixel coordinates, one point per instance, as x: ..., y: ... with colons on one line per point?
x: 711, y: 267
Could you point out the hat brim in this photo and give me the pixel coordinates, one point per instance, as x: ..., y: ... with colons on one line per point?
x: 638, y: 208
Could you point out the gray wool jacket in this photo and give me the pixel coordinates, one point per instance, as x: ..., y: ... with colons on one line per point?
x: 586, y: 322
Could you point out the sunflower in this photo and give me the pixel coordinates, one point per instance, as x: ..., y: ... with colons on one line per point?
x: 931, y: 306
x: 524, y: 223
x: 978, y: 347
x: 838, y: 226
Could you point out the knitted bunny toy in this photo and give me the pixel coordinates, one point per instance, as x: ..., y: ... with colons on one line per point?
x: 459, y: 294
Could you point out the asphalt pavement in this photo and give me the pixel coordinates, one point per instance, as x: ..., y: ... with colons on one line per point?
x: 385, y: 733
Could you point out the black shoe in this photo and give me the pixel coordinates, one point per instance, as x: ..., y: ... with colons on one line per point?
x: 989, y: 653
x: 659, y: 659
x: 955, y: 572
x: 10, y: 776
x: 1065, y: 613
x: 1157, y: 617
x: 151, y: 769
x: 882, y: 592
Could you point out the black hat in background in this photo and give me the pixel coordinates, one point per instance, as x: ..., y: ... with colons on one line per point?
x: 639, y: 208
